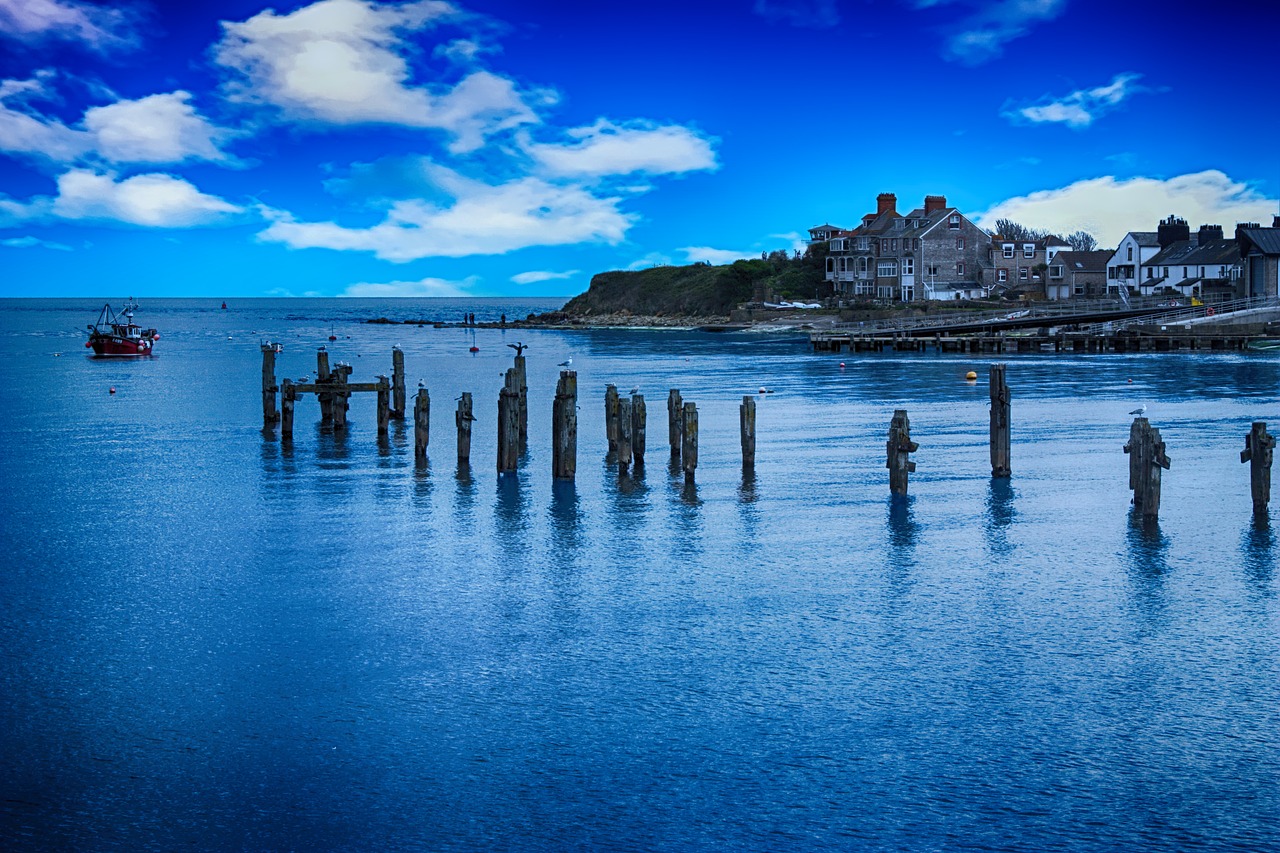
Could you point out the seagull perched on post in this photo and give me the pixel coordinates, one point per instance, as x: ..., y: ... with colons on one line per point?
x: 1141, y: 410
x: 566, y: 363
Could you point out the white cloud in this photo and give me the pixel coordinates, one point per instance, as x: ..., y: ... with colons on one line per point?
x: 817, y: 14
x: 606, y: 148
x: 983, y: 34
x: 535, y: 276
x: 29, y: 242
x: 342, y: 62
x: 155, y: 129
x: 432, y: 287
x: 1082, y: 106
x: 483, y: 219
x: 100, y: 27
x: 155, y: 200
x: 694, y: 254
x: 1109, y: 208
x: 25, y: 131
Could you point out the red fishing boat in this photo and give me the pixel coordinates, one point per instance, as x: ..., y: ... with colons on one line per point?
x: 117, y: 334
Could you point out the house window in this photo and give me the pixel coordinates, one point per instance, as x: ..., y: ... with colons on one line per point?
x: 862, y: 264
x: 1150, y: 272
x: 1055, y: 271
x: 864, y: 243
x: 954, y: 221
x: 837, y: 245
x: 1202, y: 272
x: 1007, y: 250
x: 831, y: 264
x: 886, y: 269
x: 1184, y: 272
x: 1002, y: 276
x: 1111, y: 272
x: 1028, y: 250
x: 1129, y: 253
x: 1165, y: 274
x: 959, y: 242
x: 1079, y: 290
x: 1022, y: 273
x: 893, y: 244
x: 960, y: 270
x: 908, y: 266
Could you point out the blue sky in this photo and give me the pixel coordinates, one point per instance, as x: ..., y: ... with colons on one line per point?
x: 353, y: 147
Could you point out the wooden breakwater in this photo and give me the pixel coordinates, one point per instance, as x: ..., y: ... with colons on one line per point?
x: 626, y: 427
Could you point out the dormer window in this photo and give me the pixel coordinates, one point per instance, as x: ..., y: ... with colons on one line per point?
x: 954, y: 221
x: 1006, y: 250
x: 1028, y: 250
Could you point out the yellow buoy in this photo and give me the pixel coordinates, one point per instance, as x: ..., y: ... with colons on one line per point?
x: 972, y: 376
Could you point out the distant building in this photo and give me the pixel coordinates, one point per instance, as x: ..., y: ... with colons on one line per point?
x: 1203, y: 264
x: 1260, y: 255
x: 823, y: 233
x: 1123, y: 267
x: 1078, y: 275
x: 933, y: 252
x: 1021, y: 266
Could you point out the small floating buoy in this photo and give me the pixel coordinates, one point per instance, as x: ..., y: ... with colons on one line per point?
x: 1130, y: 381
x: 475, y: 349
x: 842, y: 364
x: 111, y: 390
x: 972, y: 376
x: 88, y: 344
x: 333, y: 337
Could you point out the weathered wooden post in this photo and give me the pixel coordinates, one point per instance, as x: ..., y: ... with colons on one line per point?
x: 999, y: 423
x: 269, y: 413
x: 323, y: 376
x: 421, y: 424
x: 675, y: 421
x: 611, y: 416
x: 397, y: 383
x: 689, y: 439
x: 522, y: 407
x: 509, y: 423
x: 384, y: 405
x: 747, y: 427
x: 899, y: 448
x: 338, y: 379
x: 564, y: 427
x: 463, y: 419
x: 624, y: 434
x: 1146, y: 460
x: 638, y: 415
x: 287, y: 397
x: 1258, y: 450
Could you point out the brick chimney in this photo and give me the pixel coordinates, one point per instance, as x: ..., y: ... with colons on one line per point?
x: 1207, y: 234
x: 886, y: 203
x: 1275, y: 221
x: 934, y: 203
x: 1172, y: 230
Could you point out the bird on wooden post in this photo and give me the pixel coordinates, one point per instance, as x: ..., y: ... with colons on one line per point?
x: 519, y: 348
x: 1140, y: 411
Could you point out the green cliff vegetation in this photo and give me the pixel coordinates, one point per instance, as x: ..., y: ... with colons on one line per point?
x: 702, y: 289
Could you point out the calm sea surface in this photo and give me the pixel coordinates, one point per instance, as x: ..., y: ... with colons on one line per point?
x: 213, y: 641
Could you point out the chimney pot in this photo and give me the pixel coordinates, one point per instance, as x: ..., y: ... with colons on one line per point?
x: 885, y: 203
x: 934, y: 203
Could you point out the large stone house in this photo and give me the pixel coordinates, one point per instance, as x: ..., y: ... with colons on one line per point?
x: 1260, y: 252
x: 932, y: 252
x: 1021, y: 266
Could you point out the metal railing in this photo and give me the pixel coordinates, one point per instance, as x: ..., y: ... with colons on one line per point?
x: 1184, y: 315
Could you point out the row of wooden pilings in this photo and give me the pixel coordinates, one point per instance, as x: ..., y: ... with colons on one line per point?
x: 626, y: 430
x: 625, y: 419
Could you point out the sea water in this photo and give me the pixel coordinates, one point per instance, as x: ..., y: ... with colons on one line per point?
x: 211, y: 639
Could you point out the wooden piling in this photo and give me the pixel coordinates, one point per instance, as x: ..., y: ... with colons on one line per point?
x: 1258, y: 450
x: 624, y: 434
x: 899, y: 448
x: 611, y: 416
x: 747, y: 429
x: 397, y: 383
x: 421, y: 424
x: 463, y: 419
x: 689, y: 439
x: 638, y: 415
x: 269, y: 413
x: 509, y: 423
x: 287, y: 398
x: 323, y: 376
x: 339, y: 404
x: 522, y: 402
x: 384, y: 405
x: 1147, y: 459
x: 675, y: 421
x: 564, y: 427
x: 999, y: 422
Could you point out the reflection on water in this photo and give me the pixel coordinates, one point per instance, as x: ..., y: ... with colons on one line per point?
x: 1147, y: 546
x: 1257, y: 550
x: 566, y: 518
x: 464, y: 504
x: 1000, y: 515
x: 902, y: 525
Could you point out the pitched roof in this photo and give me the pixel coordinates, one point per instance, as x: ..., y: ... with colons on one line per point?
x: 1267, y: 240
x: 1187, y: 253
x: 1084, y: 261
x: 1145, y: 238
